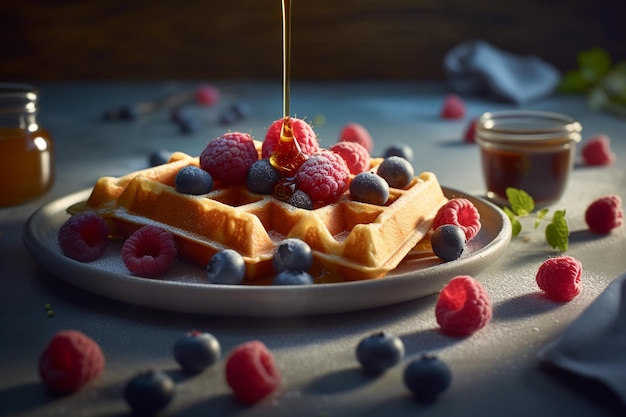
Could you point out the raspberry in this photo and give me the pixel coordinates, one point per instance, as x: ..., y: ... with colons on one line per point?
x: 306, y: 137
x: 604, y: 214
x: 463, y: 306
x: 559, y: 278
x: 453, y: 107
x: 229, y: 157
x: 149, y: 251
x: 470, y: 130
x: 324, y: 176
x: 354, y: 132
x: 355, y: 154
x: 251, y: 372
x: 459, y: 212
x: 207, y: 95
x: 84, y: 237
x: 597, y: 151
x: 70, y: 361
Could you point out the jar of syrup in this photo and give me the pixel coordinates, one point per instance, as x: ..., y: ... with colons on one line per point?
x: 26, y: 148
x: 533, y: 151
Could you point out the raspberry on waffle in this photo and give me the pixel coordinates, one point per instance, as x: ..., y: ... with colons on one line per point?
x: 350, y: 239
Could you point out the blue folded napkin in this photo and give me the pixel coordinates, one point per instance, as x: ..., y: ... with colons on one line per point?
x: 476, y: 67
x: 594, y: 345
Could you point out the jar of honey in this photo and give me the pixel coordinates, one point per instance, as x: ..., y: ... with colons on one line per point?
x: 26, y: 148
x: 533, y: 151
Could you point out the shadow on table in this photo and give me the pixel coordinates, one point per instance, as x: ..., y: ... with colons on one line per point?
x: 22, y: 398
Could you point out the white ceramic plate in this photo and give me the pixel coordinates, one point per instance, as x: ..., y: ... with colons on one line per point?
x: 184, y: 288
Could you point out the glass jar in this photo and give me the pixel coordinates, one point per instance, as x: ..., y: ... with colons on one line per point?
x: 26, y: 149
x: 529, y: 150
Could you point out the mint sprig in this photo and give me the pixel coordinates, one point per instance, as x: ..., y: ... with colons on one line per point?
x: 522, y: 205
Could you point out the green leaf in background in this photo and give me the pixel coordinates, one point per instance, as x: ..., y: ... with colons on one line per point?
x: 573, y: 83
x: 604, y: 84
x: 541, y: 214
x: 521, y: 202
x: 594, y: 64
x: 557, y: 232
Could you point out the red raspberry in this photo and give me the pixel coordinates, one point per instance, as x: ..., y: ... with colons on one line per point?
x: 306, y: 137
x: 604, y: 214
x: 459, y: 212
x: 207, y: 95
x: 355, y: 155
x: 251, y: 372
x: 559, y: 278
x: 229, y: 158
x: 149, y: 251
x: 470, y: 131
x: 70, y: 361
x: 354, y: 132
x: 463, y: 306
x: 324, y: 176
x: 84, y: 237
x: 597, y: 151
x: 453, y: 107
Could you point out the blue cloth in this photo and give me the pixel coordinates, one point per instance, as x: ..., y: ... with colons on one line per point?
x: 476, y: 67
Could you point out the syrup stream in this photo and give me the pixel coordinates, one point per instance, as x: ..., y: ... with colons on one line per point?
x: 286, y: 55
x: 287, y: 157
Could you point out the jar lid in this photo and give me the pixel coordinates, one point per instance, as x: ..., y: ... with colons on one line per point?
x: 527, y: 128
x: 18, y: 97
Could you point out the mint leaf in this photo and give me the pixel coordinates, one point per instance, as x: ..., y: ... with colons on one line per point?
x: 557, y: 232
x: 521, y: 202
x: 594, y: 64
x: 541, y: 214
x: 573, y: 82
x: 516, y: 227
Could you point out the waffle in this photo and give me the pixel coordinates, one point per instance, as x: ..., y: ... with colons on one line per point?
x: 349, y: 239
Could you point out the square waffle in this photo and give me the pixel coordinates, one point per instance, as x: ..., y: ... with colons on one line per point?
x: 349, y: 239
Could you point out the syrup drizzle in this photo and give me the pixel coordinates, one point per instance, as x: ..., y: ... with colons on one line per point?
x: 287, y: 156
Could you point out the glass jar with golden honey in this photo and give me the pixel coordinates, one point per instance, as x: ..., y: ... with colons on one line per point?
x: 26, y: 148
x: 529, y: 150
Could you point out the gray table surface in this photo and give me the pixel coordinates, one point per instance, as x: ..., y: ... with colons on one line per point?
x: 495, y: 371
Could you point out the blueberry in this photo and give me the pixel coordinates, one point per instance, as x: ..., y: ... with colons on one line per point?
x: 399, y: 149
x: 294, y: 254
x: 291, y: 277
x: 300, y: 199
x: 234, y: 113
x: 397, y: 171
x: 262, y: 177
x: 368, y: 187
x: 189, y: 125
x: 448, y: 242
x: 160, y: 157
x: 226, y: 267
x: 379, y: 351
x: 427, y: 377
x: 149, y: 392
x: 193, y: 180
x: 241, y: 108
x: 196, y: 351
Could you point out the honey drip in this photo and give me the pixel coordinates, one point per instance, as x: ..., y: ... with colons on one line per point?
x: 287, y: 156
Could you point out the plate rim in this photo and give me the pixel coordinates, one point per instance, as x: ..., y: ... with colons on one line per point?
x: 295, y: 300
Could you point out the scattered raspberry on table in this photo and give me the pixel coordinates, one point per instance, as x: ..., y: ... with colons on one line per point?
x: 251, y: 372
x: 559, y: 278
x: 453, y: 107
x: 70, y: 361
x: 463, y: 307
x: 597, y: 151
x: 604, y: 214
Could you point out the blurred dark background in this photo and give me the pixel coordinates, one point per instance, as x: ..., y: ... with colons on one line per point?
x: 332, y: 39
